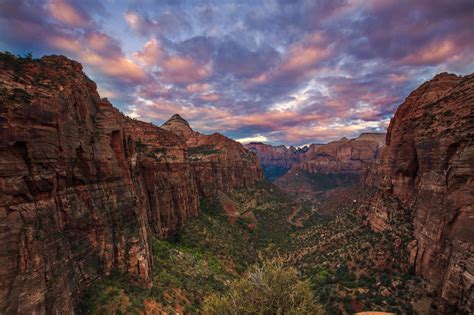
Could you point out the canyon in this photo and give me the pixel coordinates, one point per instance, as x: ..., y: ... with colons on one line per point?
x: 426, y: 169
x: 97, y: 205
x: 84, y: 187
x: 314, y: 169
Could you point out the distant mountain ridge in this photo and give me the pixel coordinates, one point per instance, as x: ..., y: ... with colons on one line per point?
x: 343, y: 156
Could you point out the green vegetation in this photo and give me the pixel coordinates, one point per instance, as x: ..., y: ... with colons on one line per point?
x: 269, y: 288
x: 321, y: 181
x: 141, y: 147
x: 182, y: 276
x: 204, y: 150
x: 346, y: 265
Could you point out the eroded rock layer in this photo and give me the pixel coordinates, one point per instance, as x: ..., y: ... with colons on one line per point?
x: 277, y: 160
x: 83, y: 188
x: 336, y: 164
x: 427, y: 167
x: 218, y: 162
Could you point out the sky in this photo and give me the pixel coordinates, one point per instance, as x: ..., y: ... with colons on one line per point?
x: 280, y: 72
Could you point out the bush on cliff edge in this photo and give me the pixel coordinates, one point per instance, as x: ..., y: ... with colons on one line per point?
x: 269, y: 288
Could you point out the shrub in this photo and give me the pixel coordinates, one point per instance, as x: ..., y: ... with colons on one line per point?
x: 268, y: 288
x: 203, y: 149
x: 141, y: 147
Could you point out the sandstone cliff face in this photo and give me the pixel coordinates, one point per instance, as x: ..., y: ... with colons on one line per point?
x: 336, y: 164
x: 219, y: 163
x: 344, y: 156
x: 69, y: 206
x: 427, y: 167
x: 82, y: 187
x: 277, y: 160
x: 280, y: 156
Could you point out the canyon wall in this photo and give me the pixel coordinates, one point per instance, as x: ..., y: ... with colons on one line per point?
x: 219, y: 163
x: 83, y: 188
x: 277, y: 160
x: 344, y: 156
x: 336, y: 164
x: 427, y: 167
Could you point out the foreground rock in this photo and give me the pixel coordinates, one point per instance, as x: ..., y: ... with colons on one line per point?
x: 427, y: 168
x: 83, y: 188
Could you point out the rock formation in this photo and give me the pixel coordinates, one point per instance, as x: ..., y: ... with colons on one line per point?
x: 83, y: 188
x: 338, y: 163
x: 219, y: 163
x: 277, y: 160
x: 427, y: 168
x: 344, y: 156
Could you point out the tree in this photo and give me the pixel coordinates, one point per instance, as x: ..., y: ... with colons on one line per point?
x: 269, y: 288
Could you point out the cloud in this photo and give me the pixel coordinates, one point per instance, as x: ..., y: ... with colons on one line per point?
x: 255, y: 138
x: 184, y: 70
x: 209, y: 97
x: 167, y: 22
x: 151, y: 54
x: 197, y: 87
x: 291, y: 72
x: 62, y: 11
x: 433, y: 53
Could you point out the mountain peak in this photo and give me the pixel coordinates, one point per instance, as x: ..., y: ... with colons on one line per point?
x: 179, y: 126
x: 177, y: 117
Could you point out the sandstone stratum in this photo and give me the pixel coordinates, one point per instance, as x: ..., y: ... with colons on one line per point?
x: 426, y: 170
x: 83, y: 187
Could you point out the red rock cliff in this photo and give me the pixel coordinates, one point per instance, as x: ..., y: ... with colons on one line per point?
x: 276, y: 156
x: 428, y: 166
x: 82, y: 187
x: 336, y: 164
x: 344, y: 156
x: 219, y: 163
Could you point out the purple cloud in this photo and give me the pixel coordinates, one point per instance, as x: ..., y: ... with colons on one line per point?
x: 290, y: 72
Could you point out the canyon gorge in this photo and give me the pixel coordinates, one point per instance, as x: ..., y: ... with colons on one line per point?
x: 84, y: 187
x: 87, y: 192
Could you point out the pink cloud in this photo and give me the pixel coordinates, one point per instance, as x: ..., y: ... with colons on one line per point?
x: 151, y: 54
x: 115, y: 65
x: 102, y: 43
x: 197, y: 87
x: 62, y: 11
x: 434, y: 52
x: 301, y: 59
x: 209, y: 97
x: 305, y: 54
x: 120, y: 67
x: 178, y: 69
x: 64, y: 43
x: 134, y: 20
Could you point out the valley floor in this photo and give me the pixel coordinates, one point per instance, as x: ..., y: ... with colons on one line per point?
x: 351, y: 269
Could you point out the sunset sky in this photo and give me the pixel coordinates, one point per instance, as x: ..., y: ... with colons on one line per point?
x: 290, y: 72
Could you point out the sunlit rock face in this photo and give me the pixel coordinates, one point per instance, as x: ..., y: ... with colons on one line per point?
x: 338, y: 157
x: 317, y: 168
x: 428, y: 166
x: 83, y: 187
